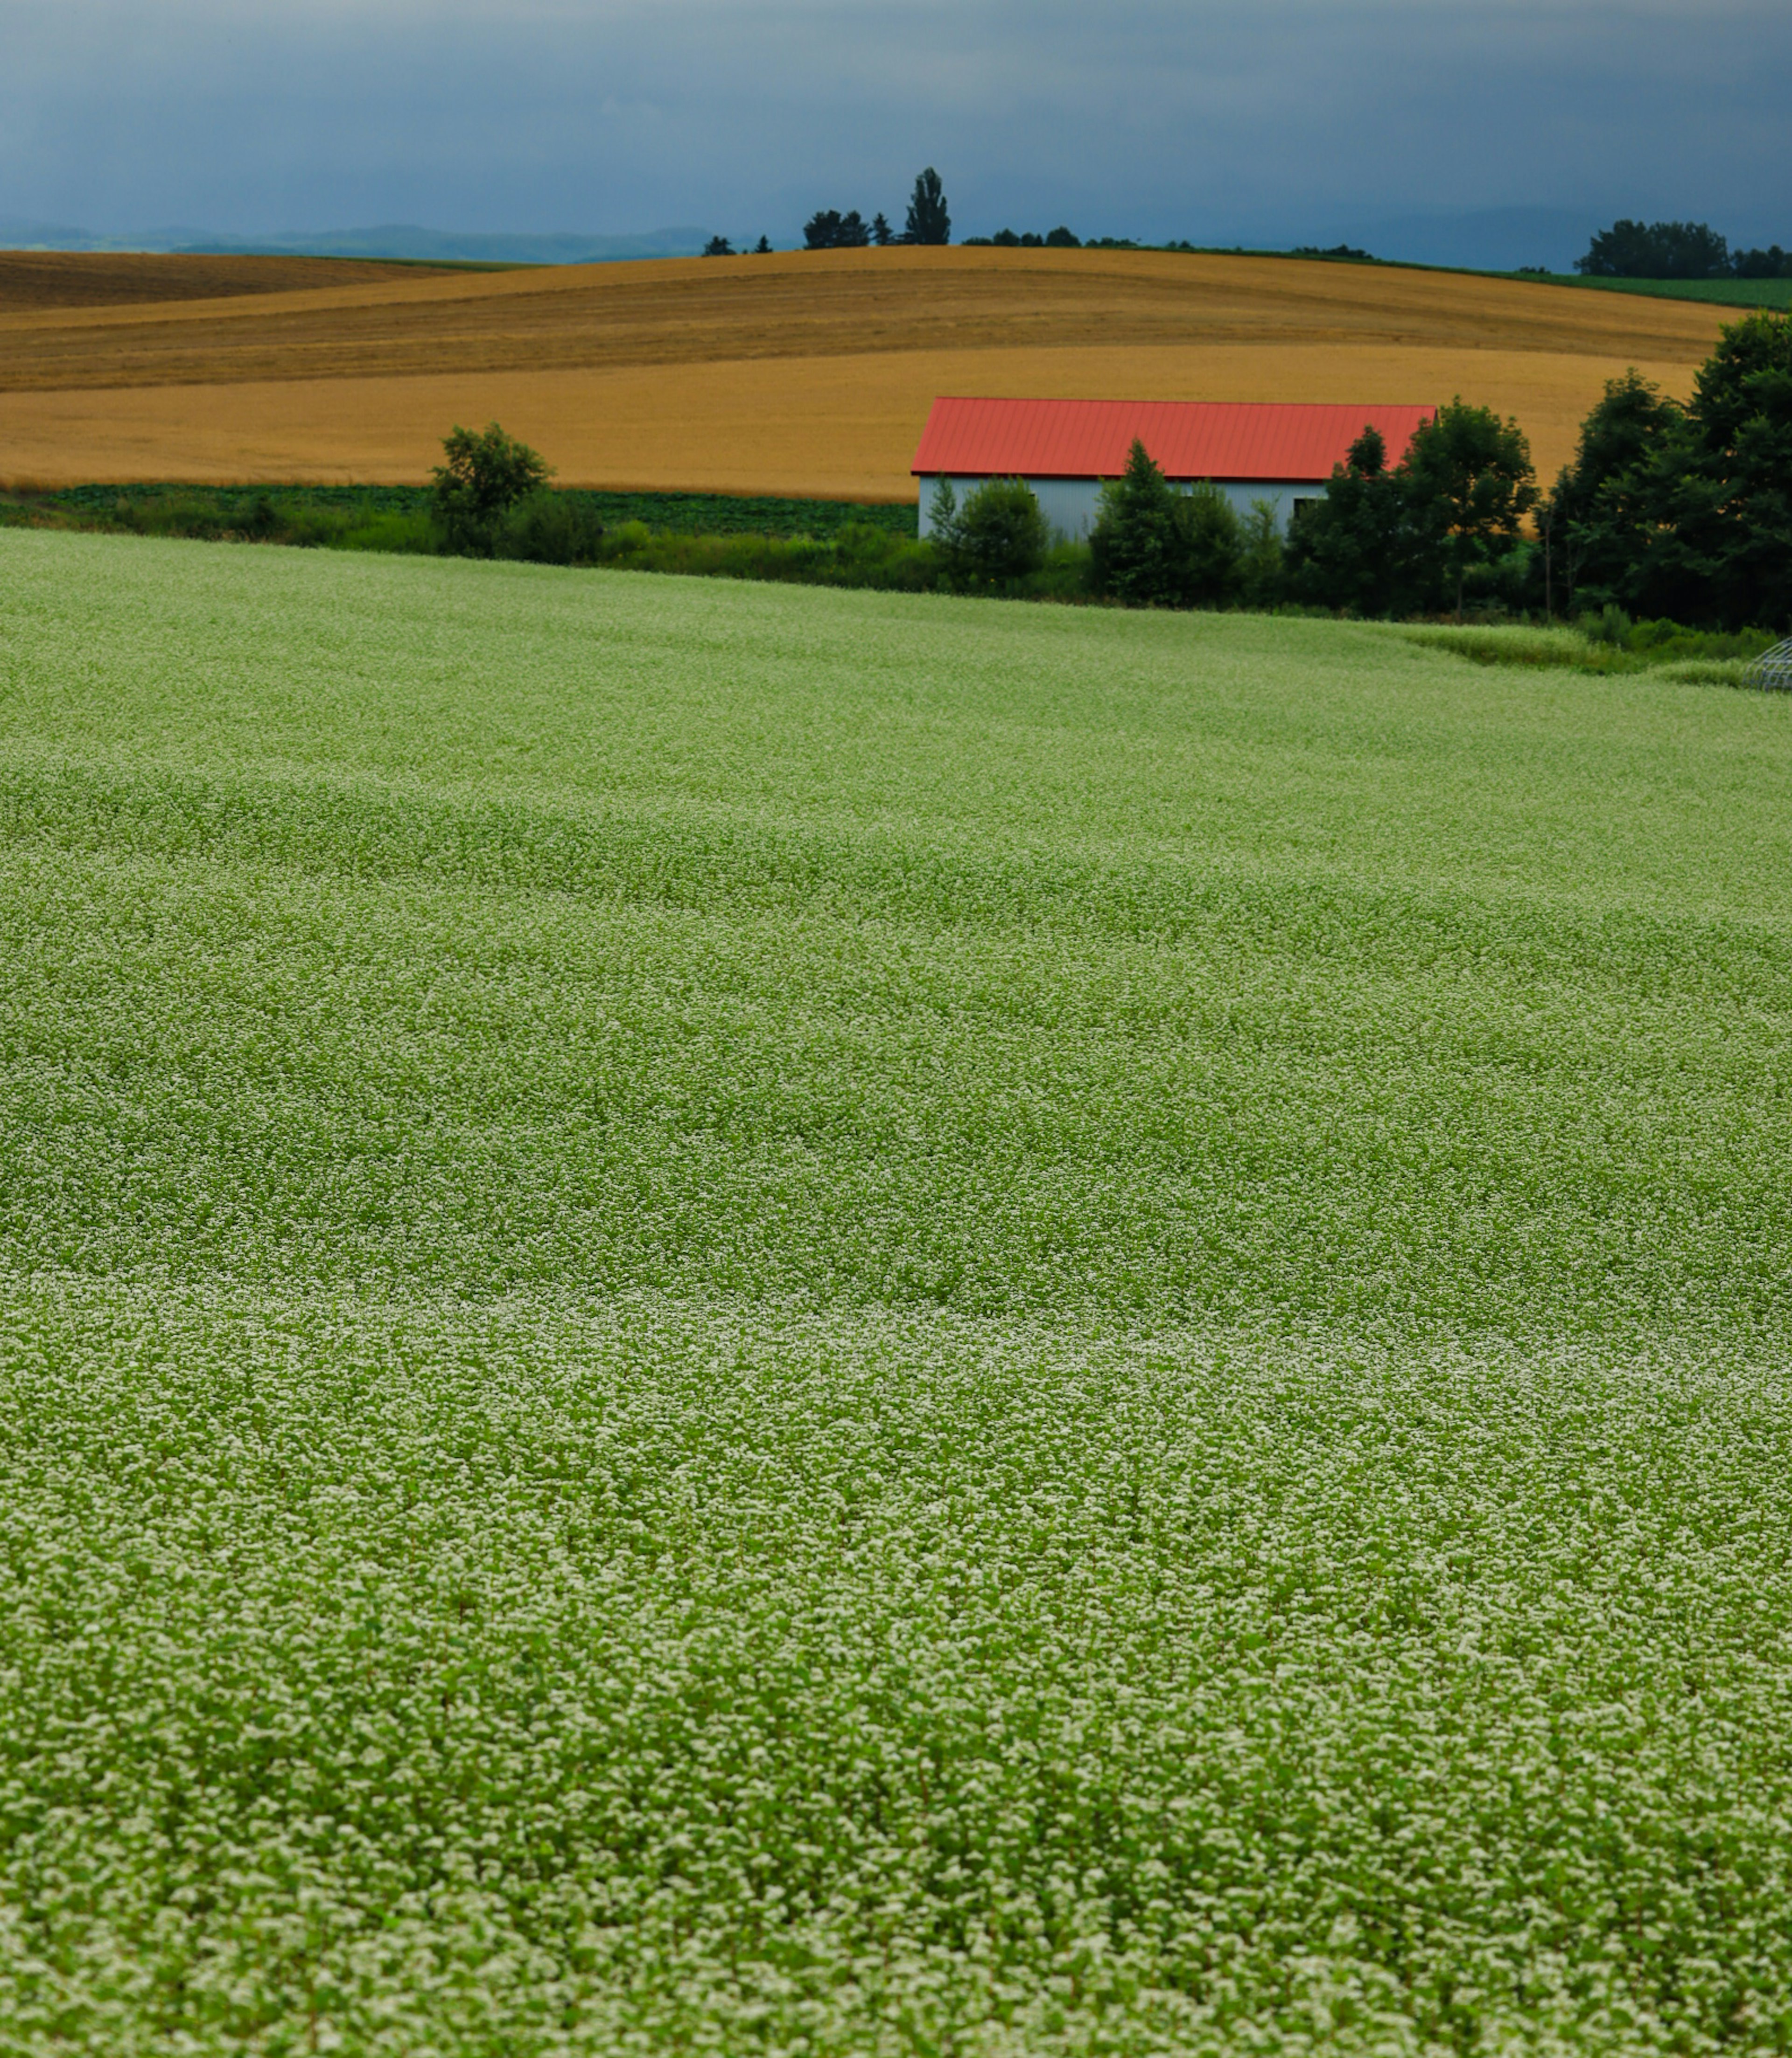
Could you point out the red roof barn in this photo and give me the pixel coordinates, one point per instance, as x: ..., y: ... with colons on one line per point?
x: 1064, y: 449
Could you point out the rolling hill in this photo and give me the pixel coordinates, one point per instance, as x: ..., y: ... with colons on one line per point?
x: 807, y: 373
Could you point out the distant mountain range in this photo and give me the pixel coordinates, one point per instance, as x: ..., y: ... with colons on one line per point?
x: 1498, y: 239
x: 1490, y: 239
x: 398, y: 240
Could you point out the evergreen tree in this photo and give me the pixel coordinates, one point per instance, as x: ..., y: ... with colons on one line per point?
x: 1152, y: 546
x: 1353, y: 550
x: 1135, y: 546
x: 881, y: 233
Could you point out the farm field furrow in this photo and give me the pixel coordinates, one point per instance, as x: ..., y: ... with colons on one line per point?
x: 750, y: 1318
x: 627, y: 358
x: 827, y: 426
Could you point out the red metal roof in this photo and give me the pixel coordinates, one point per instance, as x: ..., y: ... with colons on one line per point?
x: 1219, y: 439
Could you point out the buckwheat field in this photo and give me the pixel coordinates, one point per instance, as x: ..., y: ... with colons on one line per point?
x: 744, y: 1319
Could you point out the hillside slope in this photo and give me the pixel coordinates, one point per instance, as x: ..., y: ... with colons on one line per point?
x: 798, y: 372
x: 746, y: 1319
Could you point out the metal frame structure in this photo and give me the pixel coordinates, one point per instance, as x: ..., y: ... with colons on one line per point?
x: 1772, y: 670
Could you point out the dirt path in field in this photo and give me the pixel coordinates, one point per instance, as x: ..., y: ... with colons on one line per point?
x: 794, y: 374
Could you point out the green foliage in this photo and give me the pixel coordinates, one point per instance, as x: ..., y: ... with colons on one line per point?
x: 1152, y: 546
x: 1061, y: 239
x: 1467, y: 482
x: 1656, y: 250
x: 929, y: 220
x: 1354, y: 550
x: 1262, y: 559
x: 550, y: 529
x: 1686, y: 512
x: 1392, y: 540
x: 758, y: 1321
x: 1605, y: 643
x: 718, y: 246
x: 486, y: 473
x: 828, y: 229
x: 998, y: 536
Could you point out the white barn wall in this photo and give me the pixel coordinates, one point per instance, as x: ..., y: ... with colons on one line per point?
x: 1069, y: 504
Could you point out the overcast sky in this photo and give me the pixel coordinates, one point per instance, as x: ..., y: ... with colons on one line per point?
x: 1241, y: 119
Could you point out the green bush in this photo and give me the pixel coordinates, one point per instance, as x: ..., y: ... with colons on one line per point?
x: 549, y: 529
x: 393, y: 530
x: 998, y: 536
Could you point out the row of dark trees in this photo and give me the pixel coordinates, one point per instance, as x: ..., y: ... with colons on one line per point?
x: 1677, y: 250
x: 1668, y: 511
x: 929, y: 220
x: 1681, y: 512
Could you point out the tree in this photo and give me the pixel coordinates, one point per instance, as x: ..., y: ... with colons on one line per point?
x: 999, y: 534
x: 1686, y: 512
x: 1353, y: 550
x: 1152, y: 546
x: 485, y: 475
x: 828, y: 229
x: 1467, y: 483
x: 928, y: 220
x: 1602, y: 522
x: 1262, y: 557
x: 762, y: 249
x: 1656, y: 250
x: 881, y: 233
x: 1211, y: 540
x: 1729, y: 514
x: 1772, y: 262
x: 718, y: 246
x: 1134, y: 545
x: 1061, y: 239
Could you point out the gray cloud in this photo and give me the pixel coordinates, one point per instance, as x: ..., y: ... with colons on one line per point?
x: 1271, y: 119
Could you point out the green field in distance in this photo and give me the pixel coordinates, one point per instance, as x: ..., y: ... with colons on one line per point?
x: 744, y: 1318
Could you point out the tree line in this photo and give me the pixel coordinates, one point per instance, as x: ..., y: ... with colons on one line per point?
x: 1667, y: 510
x: 1670, y: 510
x: 929, y: 220
x: 1676, y: 250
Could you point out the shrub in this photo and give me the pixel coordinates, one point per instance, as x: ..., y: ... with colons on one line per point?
x: 485, y: 475
x: 550, y: 529
x: 998, y: 536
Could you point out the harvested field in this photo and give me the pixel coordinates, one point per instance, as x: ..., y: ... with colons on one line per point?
x: 794, y: 374
x: 31, y: 280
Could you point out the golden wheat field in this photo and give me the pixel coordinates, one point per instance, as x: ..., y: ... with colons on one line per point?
x: 799, y: 373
